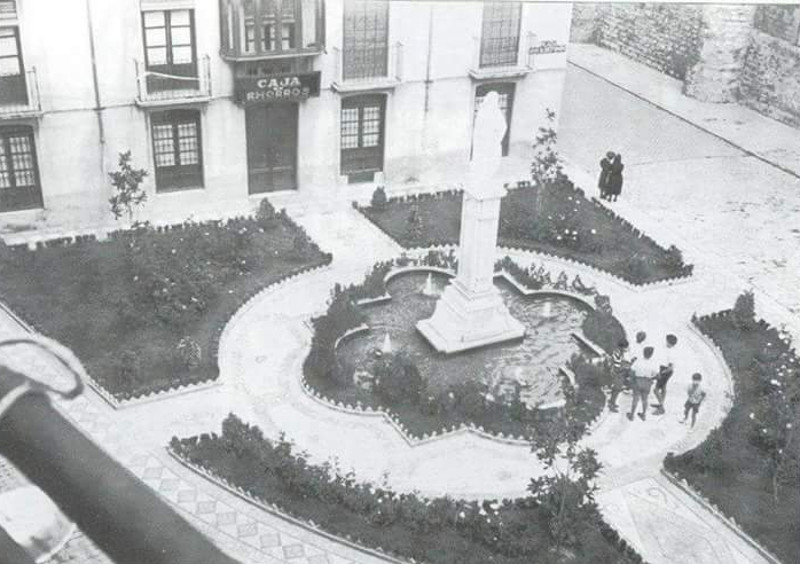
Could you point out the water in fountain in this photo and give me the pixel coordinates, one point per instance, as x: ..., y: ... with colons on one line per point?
x: 428, y: 290
x: 547, y: 309
x: 386, y: 348
x: 532, y: 363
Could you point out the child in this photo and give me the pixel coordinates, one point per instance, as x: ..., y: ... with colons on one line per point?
x: 694, y: 397
x: 644, y: 372
x: 664, y: 374
x: 619, y: 366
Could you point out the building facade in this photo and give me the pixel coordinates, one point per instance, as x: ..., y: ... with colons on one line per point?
x: 225, y: 100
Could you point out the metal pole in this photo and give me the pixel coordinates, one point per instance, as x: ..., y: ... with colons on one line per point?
x: 118, y: 512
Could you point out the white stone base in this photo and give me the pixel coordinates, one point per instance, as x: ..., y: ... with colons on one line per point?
x: 463, y: 321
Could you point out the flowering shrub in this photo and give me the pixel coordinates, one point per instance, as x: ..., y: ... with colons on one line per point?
x: 189, y: 353
x: 379, y: 199
x: 413, y: 527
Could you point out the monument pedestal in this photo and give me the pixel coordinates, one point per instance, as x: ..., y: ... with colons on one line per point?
x: 463, y: 320
x: 470, y: 312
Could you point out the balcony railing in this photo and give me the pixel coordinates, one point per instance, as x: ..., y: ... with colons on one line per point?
x: 499, y: 64
x: 8, y: 11
x: 364, y: 73
x: 19, y: 95
x: 184, y: 84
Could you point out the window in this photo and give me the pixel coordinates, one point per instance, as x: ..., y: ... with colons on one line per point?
x: 13, y: 90
x: 366, y: 36
x: 500, y: 34
x: 362, y: 134
x: 505, y: 93
x: 19, y: 172
x: 253, y: 28
x: 177, y: 150
x: 169, y: 49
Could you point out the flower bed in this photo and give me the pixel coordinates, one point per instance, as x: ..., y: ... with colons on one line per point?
x: 144, y: 309
x: 558, y: 219
x: 750, y: 466
x: 440, y: 530
x: 403, y: 393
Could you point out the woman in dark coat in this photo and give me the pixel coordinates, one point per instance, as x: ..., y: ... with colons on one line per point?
x: 605, y: 168
x: 615, y: 178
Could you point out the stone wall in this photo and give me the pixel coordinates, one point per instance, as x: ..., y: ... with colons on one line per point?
x: 781, y: 21
x: 585, y: 23
x: 662, y: 36
x: 770, y: 80
x: 724, y: 43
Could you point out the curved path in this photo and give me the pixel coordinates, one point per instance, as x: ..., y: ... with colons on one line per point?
x: 261, y: 356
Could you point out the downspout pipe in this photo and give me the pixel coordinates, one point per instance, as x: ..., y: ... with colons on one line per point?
x: 98, y: 106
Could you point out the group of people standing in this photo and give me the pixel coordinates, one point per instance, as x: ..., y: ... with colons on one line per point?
x: 638, y: 374
x: 610, y: 182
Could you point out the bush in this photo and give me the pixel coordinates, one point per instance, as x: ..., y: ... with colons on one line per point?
x: 129, y: 369
x: 744, y: 311
x: 379, y: 199
x: 414, y: 225
x: 266, y: 215
x: 397, y: 379
x: 673, y: 259
x: 188, y: 352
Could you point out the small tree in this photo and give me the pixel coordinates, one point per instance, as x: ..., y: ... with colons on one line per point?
x: 566, y: 490
x: 546, y: 166
x: 379, y: 199
x: 127, y: 183
x: 744, y: 310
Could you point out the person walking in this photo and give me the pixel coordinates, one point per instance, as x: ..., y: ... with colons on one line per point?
x: 645, y: 371
x: 619, y: 367
x: 695, y: 395
x: 605, y: 169
x: 665, y: 372
x: 615, y: 178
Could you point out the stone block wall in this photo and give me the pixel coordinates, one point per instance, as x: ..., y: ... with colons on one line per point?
x: 770, y: 80
x: 781, y: 21
x: 585, y: 23
x: 665, y: 37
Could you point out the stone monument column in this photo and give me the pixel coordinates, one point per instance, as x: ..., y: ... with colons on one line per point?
x: 470, y: 312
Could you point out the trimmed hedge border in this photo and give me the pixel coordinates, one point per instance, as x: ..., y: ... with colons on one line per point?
x: 526, y: 248
x: 464, y: 428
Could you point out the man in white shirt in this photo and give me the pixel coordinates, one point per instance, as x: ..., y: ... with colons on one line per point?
x: 645, y: 371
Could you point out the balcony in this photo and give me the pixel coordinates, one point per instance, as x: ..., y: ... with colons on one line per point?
x: 181, y: 84
x: 372, y: 72
x: 262, y: 31
x: 8, y: 12
x: 19, y: 96
x: 497, y: 61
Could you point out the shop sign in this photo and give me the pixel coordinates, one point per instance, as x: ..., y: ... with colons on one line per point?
x: 547, y: 47
x: 257, y: 90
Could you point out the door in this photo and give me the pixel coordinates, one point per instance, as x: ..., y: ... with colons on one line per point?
x: 272, y: 147
x: 362, y: 136
x: 505, y: 93
x: 19, y: 172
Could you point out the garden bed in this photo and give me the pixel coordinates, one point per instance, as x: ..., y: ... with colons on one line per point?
x: 440, y: 530
x: 144, y: 309
x: 749, y: 466
x: 427, y: 408
x: 559, y: 220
